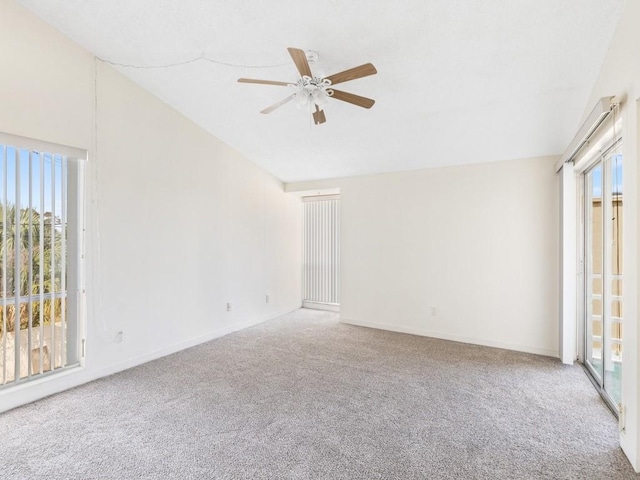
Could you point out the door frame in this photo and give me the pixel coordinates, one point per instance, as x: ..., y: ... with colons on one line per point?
x: 602, y: 157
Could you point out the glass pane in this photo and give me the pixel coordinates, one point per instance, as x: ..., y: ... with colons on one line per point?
x: 594, y: 262
x: 614, y: 298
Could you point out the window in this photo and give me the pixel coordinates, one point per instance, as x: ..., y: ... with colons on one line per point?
x: 39, y: 258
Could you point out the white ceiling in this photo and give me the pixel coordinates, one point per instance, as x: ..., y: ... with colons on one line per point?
x: 458, y: 81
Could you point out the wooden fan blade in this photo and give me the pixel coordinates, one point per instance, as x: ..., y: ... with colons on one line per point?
x: 300, y: 59
x: 279, y: 104
x: 318, y: 116
x: 351, y: 98
x: 262, y: 82
x: 353, y: 73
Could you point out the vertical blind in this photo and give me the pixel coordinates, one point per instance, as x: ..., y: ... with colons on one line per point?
x: 321, y: 250
x: 33, y: 263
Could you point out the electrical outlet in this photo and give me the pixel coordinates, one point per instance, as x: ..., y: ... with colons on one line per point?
x: 622, y: 418
x: 119, y: 337
x: 228, y: 306
x: 268, y: 298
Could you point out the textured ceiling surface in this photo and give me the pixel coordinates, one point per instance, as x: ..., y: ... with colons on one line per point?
x: 458, y: 81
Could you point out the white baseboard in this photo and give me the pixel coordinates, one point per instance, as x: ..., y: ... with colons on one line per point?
x: 329, y: 307
x: 455, y: 338
x: 28, y: 392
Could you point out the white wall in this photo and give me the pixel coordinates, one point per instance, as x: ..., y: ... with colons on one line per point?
x: 620, y: 75
x: 478, y: 243
x: 179, y: 223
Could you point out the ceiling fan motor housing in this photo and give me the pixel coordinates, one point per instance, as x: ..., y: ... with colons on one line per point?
x: 312, y: 56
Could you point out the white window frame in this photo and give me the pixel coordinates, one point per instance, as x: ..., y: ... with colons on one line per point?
x: 76, y: 212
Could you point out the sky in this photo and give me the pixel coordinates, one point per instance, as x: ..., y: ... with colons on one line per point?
x: 614, y: 174
x: 8, y: 162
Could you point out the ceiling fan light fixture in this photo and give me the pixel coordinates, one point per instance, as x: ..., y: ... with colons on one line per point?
x: 303, y: 98
x: 320, y: 97
x: 312, y: 91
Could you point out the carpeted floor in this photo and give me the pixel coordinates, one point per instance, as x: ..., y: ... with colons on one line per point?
x: 305, y: 397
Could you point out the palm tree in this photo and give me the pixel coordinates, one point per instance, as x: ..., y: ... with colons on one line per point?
x: 17, y: 283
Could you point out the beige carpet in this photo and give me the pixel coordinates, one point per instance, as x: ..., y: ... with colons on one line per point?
x: 304, y: 397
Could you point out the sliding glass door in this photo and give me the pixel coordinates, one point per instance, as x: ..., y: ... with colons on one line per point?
x: 603, y: 319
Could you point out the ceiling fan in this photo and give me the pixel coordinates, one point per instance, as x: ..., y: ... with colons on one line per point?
x: 314, y: 92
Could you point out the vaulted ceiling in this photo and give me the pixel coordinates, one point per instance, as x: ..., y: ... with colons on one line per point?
x: 458, y: 81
